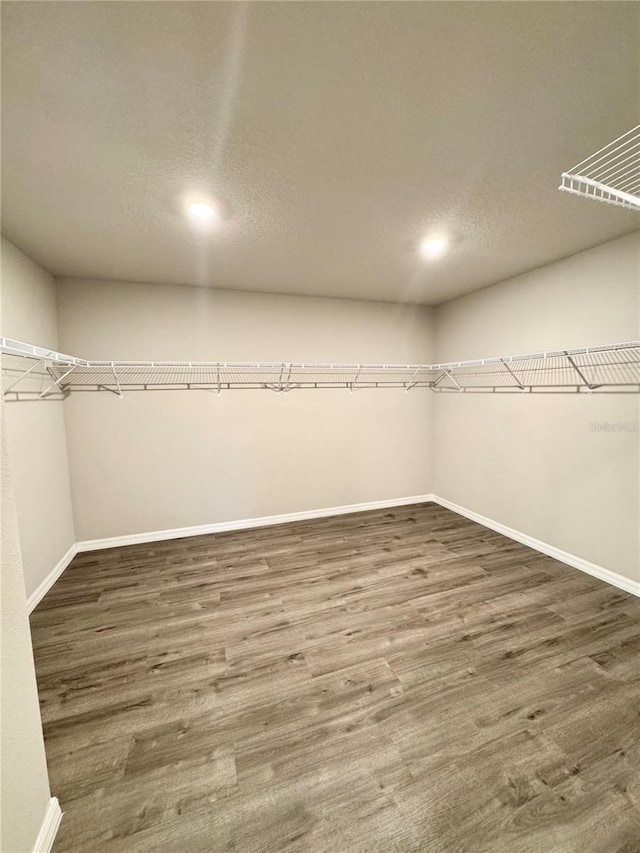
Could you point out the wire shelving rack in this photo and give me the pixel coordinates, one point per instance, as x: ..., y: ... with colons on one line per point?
x: 611, y: 175
x: 32, y: 372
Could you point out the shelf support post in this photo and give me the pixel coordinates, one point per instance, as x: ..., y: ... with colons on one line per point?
x: 448, y: 374
x: 57, y: 382
x: 355, y: 379
x: 518, y: 382
x: 579, y: 372
x: 411, y: 384
x: 115, y: 376
x: 287, y: 381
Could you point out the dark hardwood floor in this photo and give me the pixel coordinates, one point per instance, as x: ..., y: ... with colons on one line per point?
x: 399, y: 680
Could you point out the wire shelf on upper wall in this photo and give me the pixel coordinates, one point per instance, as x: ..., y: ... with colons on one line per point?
x: 611, y: 175
x: 31, y: 372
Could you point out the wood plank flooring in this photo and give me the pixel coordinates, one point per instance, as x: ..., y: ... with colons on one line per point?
x: 398, y: 680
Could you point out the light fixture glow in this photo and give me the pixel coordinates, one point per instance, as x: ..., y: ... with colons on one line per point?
x: 200, y: 210
x: 433, y: 247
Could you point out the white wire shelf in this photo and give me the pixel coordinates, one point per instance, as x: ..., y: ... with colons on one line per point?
x: 31, y: 372
x: 611, y: 175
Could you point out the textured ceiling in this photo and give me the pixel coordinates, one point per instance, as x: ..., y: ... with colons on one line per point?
x: 334, y: 134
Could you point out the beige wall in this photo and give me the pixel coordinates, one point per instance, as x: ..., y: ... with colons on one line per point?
x: 36, y: 431
x: 25, y: 783
x: 158, y: 460
x: 534, y: 463
x: 161, y: 460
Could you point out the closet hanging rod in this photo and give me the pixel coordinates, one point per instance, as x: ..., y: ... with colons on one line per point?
x: 33, y: 371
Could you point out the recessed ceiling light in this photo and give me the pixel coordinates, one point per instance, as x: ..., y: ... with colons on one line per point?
x: 200, y: 210
x: 433, y: 247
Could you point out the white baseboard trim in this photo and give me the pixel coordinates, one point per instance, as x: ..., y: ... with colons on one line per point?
x: 49, y: 828
x: 245, y: 523
x: 613, y: 578
x: 39, y: 593
x: 599, y: 572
